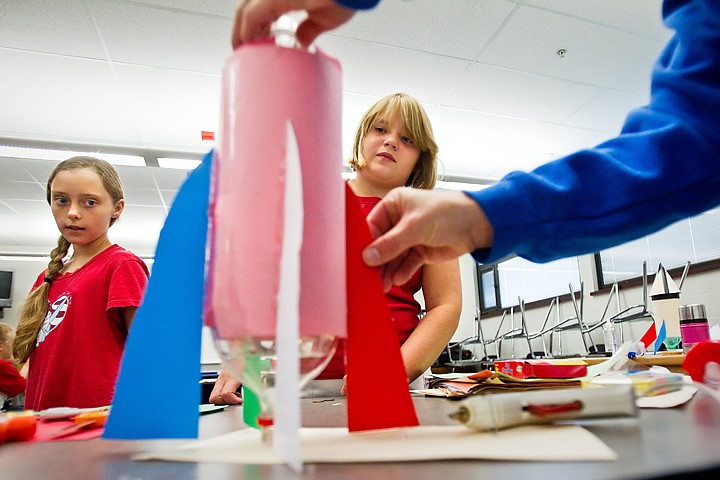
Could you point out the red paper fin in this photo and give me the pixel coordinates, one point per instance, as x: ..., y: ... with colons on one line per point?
x: 378, y: 394
x: 649, y: 337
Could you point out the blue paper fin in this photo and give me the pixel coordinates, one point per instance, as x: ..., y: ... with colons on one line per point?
x: 662, y: 334
x: 158, y: 390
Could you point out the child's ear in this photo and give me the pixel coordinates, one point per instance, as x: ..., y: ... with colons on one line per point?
x: 119, y: 207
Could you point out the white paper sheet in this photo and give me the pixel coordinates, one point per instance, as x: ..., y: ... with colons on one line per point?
x: 286, y: 437
x: 336, y: 445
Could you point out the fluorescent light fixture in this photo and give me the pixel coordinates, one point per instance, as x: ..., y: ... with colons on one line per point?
x: 178, y: 163
x: 59, y: 155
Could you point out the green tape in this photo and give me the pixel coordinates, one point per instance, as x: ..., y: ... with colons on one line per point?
x: 251, y: 376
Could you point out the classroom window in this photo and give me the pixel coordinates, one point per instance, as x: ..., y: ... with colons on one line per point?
x: 502, y: 283
x: 695, y: 239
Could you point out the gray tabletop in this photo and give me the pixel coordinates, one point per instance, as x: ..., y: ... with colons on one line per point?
x: 660, y: 443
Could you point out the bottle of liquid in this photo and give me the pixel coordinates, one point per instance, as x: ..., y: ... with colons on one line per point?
x: 693, y: 325
x: 609, y: 336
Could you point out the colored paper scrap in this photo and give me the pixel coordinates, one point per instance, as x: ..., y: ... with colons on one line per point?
x: 649, y: 336
x: 372, y: 344
x: 162, y: 352
x: 662, y: 333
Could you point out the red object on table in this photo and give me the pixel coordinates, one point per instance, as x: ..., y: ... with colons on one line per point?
x: 699, y: 356
x: 541, y: 368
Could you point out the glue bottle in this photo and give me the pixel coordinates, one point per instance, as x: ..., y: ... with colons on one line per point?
x: 609, y: 337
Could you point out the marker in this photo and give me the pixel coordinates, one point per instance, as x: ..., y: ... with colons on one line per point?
x: 505, y: 410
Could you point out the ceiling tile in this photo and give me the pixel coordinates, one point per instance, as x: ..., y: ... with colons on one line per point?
x: 82, y: 103
x: 606, y: 112
x: 168, y: 178
x: 508, y: 92
x: 643, y: 18
x: 21, y: 190
x: 142, y: 197
x: 54, y: 27
x: 595, y: 54
x: 36, y: 206
x: 380, y: 70
x: 223, y: 8
x: 416, y: 25
x: 482, y: 145
x: 140, y: 35
x: 11, y: 170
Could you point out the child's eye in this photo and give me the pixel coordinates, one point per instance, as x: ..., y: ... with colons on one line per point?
x: 408, y: 140
x: 61, y: 201
x: 380, y: 129
x: 90, y: 203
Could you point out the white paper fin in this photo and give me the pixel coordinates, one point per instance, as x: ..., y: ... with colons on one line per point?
x: 286, y: 434
x: 663, y: 284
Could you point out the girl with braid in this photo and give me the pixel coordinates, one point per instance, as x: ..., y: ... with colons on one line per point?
x: 74, y: 323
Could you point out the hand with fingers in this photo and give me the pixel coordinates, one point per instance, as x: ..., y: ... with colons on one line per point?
x: 413, y: 227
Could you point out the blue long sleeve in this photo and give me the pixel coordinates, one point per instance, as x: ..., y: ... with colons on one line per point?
x: 359, y: 4
x: 664, y: 166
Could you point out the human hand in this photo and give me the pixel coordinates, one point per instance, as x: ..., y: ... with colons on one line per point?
x: 343, y: 389
x: 254, y: 17
x: 412, y: 227
x: 224, y: 391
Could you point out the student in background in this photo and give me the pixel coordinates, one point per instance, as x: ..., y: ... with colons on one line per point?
x: 395, y: 147
x: 12, y: 383
x: 74, y: 323
x: 664, y: 165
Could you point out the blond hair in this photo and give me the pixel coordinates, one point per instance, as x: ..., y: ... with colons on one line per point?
x: 35, y: 306
x: 417, y: 127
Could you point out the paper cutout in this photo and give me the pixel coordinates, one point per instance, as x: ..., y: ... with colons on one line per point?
x: 372, y: 344
x: 662, y: 333
x: 547, y: 443
x: 286, y: 430
x: 649, y: 337
x: 665, y: 297
x: 162, y: 352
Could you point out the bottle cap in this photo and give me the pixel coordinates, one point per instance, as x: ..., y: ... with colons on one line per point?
x: 690, y: 312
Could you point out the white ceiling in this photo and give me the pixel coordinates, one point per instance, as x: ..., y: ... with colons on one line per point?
x: 145, y: 74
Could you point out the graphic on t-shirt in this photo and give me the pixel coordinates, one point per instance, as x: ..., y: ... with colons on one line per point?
x: 55, y: 315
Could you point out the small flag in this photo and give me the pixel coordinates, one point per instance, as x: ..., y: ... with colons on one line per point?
x: 661, y: 337
x: 649, y: 337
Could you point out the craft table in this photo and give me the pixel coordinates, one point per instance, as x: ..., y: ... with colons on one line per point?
x: 657, y: 444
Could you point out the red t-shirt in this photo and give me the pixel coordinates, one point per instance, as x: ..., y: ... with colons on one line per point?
x: 78, y: 351
x: 405, y: 310
x: 12, y: 383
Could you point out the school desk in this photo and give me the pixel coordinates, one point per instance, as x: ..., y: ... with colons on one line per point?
x: 657, y: 444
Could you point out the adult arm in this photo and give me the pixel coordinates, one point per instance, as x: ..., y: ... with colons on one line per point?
x: 442, y: 291
x: 663, y: 167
